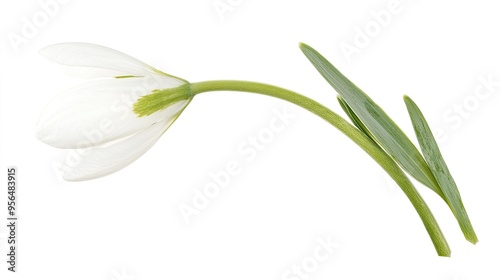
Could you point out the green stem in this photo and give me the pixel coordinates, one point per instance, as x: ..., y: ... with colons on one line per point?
x: 382, y: 158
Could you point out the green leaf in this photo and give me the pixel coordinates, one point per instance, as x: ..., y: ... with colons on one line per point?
x: 385, y: 132
x: 355, y: 120
x: 439, y: 168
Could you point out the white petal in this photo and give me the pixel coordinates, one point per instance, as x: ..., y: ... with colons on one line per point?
x: 95, y: 162
x: 96, y: 56
x: 100, y: 111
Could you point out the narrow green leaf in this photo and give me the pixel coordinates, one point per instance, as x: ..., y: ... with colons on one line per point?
x: 355, y: 120
x: 386, y: 133
x: 439, y: 168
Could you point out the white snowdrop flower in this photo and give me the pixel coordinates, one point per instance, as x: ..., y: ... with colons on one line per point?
x: 99, y: 117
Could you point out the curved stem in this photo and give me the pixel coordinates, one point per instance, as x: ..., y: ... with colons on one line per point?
x: 382, y: 158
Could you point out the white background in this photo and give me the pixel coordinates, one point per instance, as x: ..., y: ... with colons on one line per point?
x: 309, y: 182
